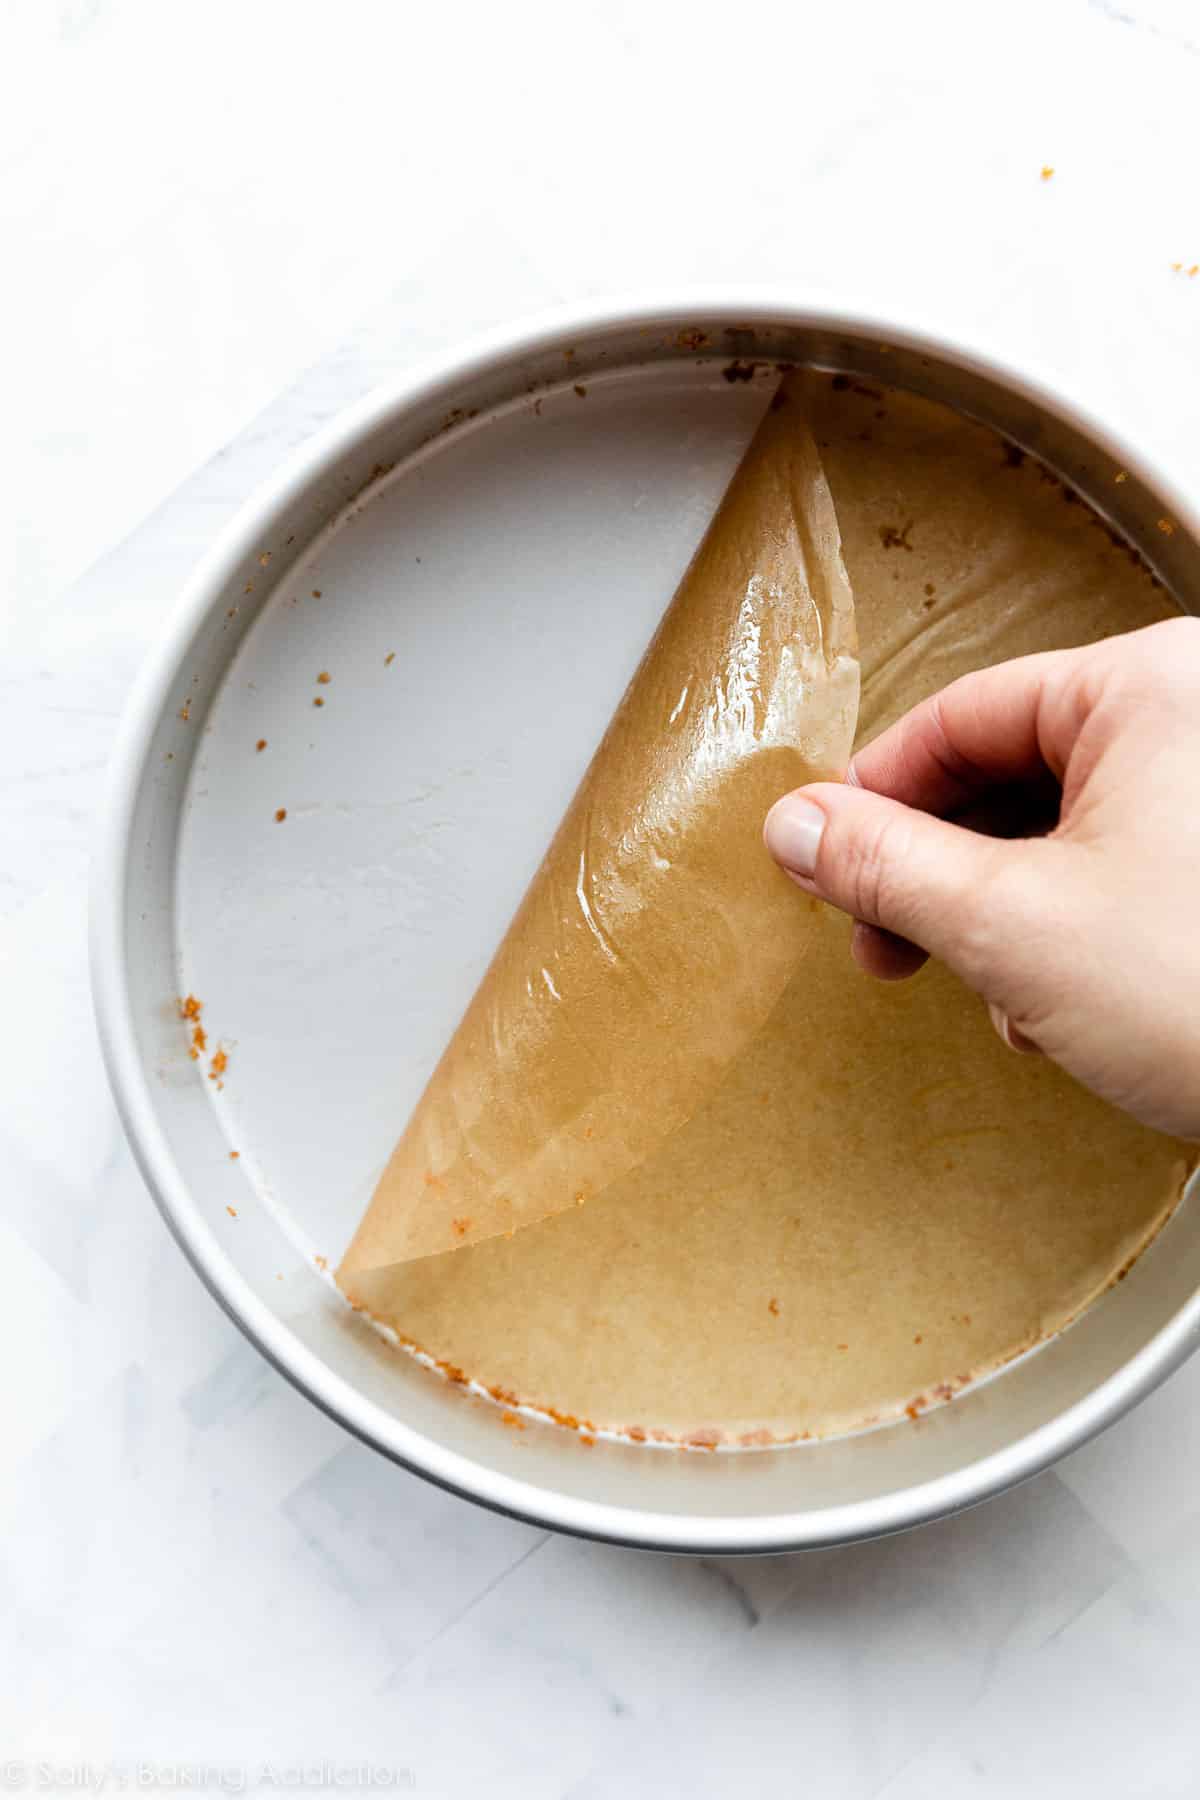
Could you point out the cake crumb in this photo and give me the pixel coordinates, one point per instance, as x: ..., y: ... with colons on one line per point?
x: 1047, y: 172
x: 190, y: 1007
x: 318, y: 701
x: 280, y: 815
x: 261, y: 744
x: 233, y: 1155
x: 232, y: 1211
x: 321, y: 1262
x: 512, y: 1420
x: 218, y: 1065
x: 460, y: 1227
x: 316, y: 593
x: 1167, y: 527
x: 389, y: 659
x: 773, y: 1307
x: 1120, y: 476
x: 324, y: 677
x: 581, y: 390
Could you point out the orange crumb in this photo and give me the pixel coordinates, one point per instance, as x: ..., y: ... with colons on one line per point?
x: 318, y: 701
x: 249, y: 588
x: 580, y: 1198
x: 190, y: 1007
x: 389, y: 659
x: 281, y: 815
x: 637, y: 1433
x: 918, y: 1339
x: 585, y: 1439
x: 1047, y: 171
x: 321, y: 1262
x: 232, y: 1211
x: 1120, y: 475
x: 185, y: 711
x: 913, y: 1410
x: 843, y: 1346
x: 261, y: 744
x: 279, y: 1277
x: 324, y: 677
x: 432, y: 1180
x: 316, y: 593
x: 233, y: 1155
x: 1167, y: 527
x: 1194, y: 270
x: 590, y: 1132
x: 513, y: 1420
x: 460, y: 1227
x: 219, y: 1064
x: 264, y: 559
x: 199, y: 1039
x: 773, y: 1308
x: 1178, y: 268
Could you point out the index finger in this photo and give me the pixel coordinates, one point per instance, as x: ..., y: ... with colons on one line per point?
x: 990, y: 727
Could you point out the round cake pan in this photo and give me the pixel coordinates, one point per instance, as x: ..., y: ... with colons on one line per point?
x: 464, y: 571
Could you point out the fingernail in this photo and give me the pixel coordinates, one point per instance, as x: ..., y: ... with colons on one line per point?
x: 1009, y: 1034
x: 793, y: 833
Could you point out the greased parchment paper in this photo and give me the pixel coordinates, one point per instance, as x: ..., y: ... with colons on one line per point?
x: 876, y: 1201
x: 656, y: 937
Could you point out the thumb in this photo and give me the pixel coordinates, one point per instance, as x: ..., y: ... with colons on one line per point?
x: 965, y: 898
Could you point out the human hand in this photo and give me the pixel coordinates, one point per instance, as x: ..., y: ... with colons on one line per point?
x: 1085, y: 941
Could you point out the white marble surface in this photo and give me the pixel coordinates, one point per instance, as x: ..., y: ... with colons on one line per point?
x: 222, y: 222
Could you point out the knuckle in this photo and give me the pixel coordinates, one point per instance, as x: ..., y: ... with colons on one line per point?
x: 873, y: 861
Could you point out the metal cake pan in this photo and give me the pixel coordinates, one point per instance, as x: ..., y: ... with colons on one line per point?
x: 505, y: 525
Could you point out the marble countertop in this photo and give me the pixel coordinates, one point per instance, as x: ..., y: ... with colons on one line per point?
x: 225, y: 221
